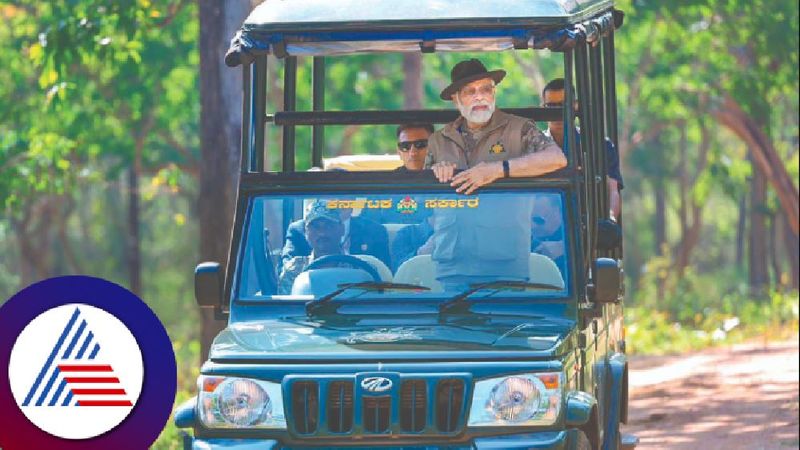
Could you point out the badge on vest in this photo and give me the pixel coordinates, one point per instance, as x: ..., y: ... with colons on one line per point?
x: 497, y: 148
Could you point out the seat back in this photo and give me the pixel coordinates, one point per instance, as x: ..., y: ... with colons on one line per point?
x: 383, y: 271
x: 319, y: 282
x: 419, y: 270
x: 544, y: 270
x: 392, y: 229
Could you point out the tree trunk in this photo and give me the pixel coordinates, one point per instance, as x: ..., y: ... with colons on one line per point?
x: 34, y: 238
x: 412, y: 81
x: 660, y: 227
x: 741, y: 230
x: 660, y: 217
x: 220, y: 119
x: 133, y: 251
x: 791, y: 245
x: 134, y: 238
x: 764, y: 157
x: 690, y: 233
x: 759, y: 276
x: 72, y: 264
x: 683, y: 208
x: 774, y: 254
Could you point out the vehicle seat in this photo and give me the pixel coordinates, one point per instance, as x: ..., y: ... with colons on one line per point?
x: 319, y: 282
x: 392, y: 229
x: 383, y: 270
x: 419, y: 270
x: 544, y: 270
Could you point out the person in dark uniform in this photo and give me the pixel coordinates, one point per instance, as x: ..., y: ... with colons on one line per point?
x: 361, y: 236
x: 324, y: 231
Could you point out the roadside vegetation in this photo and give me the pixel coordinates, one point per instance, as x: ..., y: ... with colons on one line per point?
x: 701, y: 311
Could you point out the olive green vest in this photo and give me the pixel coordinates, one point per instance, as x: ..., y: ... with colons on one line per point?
x: 501, y: 139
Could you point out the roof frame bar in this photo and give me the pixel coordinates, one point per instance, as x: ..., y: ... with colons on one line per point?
x: 318, y: 105
x: 385, y: 117
x: 289, y: 105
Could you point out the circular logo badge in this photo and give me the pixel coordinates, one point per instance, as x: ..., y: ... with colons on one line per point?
x: 76, y: 371
x: 89, y: 366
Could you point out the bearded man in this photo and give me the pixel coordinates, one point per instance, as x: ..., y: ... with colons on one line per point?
x: 490, y: 144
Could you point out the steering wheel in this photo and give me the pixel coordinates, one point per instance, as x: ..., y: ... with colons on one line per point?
x: 335, y: 260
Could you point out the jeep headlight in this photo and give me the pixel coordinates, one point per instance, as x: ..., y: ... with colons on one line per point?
x: 528, y: 399
x: 240, y: 403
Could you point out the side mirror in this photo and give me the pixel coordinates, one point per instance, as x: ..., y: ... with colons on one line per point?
x: 607, y: 280
x: 208, y: 285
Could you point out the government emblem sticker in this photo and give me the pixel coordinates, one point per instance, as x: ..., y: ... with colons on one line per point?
x: 407, y: 205
x: 89, y: 366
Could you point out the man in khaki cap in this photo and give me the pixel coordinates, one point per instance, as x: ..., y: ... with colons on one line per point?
x: 490, y: 144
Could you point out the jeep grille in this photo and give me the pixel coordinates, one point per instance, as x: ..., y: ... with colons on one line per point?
x: 417, y: 406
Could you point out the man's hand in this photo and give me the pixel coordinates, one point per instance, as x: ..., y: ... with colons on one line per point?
x: 444, y: 171
x: 482, y: 174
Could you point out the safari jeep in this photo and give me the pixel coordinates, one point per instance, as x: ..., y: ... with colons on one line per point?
x: 482, y: 341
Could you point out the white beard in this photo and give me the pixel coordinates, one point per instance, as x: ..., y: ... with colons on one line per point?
x: 479, y: 117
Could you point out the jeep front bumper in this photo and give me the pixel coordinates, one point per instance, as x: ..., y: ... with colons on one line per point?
x: 563, y: 440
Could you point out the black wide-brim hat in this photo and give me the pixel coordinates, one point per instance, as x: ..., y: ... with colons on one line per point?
x: 466, y: 72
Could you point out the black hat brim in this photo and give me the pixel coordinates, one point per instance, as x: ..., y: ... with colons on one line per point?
x: 496, y: 75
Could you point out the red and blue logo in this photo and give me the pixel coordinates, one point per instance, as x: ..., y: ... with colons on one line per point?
x: 89, y: 366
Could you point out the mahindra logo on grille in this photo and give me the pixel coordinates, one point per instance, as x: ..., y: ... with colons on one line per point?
x: 376, y: 384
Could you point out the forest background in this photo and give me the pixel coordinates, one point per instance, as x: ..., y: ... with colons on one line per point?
x: 119, y: 151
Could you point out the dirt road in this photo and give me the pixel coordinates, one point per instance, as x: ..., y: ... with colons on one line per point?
x: 743, y: 397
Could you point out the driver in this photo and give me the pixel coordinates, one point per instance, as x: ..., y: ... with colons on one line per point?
x: 324, y: 231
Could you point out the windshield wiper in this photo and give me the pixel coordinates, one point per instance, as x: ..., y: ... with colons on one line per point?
x: 499, y: 285
x: 315, y: 304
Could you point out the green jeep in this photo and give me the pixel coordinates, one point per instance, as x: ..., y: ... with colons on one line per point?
x: 482, y: 342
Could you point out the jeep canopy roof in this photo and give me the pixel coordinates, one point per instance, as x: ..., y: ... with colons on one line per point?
x: 324, y: 27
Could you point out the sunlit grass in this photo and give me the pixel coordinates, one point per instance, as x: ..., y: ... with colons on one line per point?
x: 657, y: 332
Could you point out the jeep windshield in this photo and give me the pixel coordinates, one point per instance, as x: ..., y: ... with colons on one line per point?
x: 301, y: 248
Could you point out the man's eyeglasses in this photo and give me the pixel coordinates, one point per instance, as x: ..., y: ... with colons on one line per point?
x: 405, y: 146
x: 487, y: 90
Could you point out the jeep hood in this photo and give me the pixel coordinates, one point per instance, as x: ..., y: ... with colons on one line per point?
x: 389, y: 339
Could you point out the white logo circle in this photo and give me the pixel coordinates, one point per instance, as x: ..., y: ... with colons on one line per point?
x: 76, y: 371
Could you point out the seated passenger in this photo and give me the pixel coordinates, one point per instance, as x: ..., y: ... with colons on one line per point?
x: 361, y: 236
x: 412, y: 145
x: 412, y: 240
x: 548, y: 230
x: 412, y: 148
x: 324, y: 231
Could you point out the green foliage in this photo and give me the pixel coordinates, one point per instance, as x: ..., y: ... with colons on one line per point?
x: 672, y: 313
x: 656, y: 332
